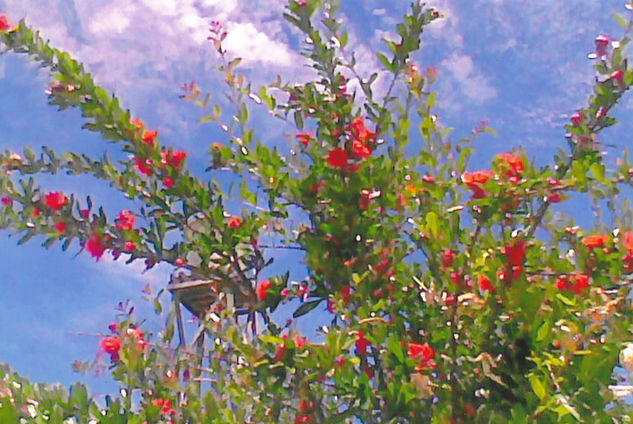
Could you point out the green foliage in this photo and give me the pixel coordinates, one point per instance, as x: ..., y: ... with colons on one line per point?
x: 456, y: 295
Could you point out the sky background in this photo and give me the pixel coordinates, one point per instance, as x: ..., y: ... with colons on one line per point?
x: 520, y: 65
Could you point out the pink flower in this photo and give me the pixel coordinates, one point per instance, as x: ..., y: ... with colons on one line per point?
x: 5, y: 25
x: 6, y: 201
x: 337, y: 158
x: 577, y: 118
x: 56, y: 200
x: 618, y: 77
x: 126, y: 221
x: 95, y: 246
x: 130, y: 246
x: 169, y: 182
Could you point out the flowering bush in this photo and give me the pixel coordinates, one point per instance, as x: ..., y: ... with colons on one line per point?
x: 455, y: 295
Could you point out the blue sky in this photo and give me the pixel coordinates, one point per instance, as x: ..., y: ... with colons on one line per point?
x: 520, y: 65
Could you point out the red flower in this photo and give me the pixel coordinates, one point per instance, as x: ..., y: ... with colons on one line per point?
x: 515, y: 254
x: 304, y: 419
x: 346, y: 294
x: 512, y: 162
x: 300, y: 341
x: 602, y: 43
x: 37, y: 212
x: 137, y: 333
x: 577, y: 118
x: 362, y: 343
x: 6, y: 201
x: 137, y: 123
x: 563, y: 283
x: 281, y: 353
x: 554, y: 197
x: 144, y: 166
x: 126, y: 221
x: 599, y: 240
x: 421, y: 352
x: 165, y: 405
x: 111, y: 345
x: 169, y: 182
x: 582, y: 283
x: 177, y: 159
x: 149, y: 137
x: 337, y: 158
x: 235, y: 222
x: 56, y: 200
x: 485, y: 283
x: 95, y: 246
x: 628, y: 241
x: 428, y: 179
x: 305, y: 138
x: 130, y: 246
x: 262, y: 289
x: 61, y: 227
x: 5, y: 25
x: 360, y: 130
x: 448, y: 257
x: 361, y: 149
x: 475, y: 179
x: 618, y: 76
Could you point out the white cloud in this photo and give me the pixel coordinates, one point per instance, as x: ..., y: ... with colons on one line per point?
x: 252, y: 45
x: 110, y: 20
x: 473, y: 84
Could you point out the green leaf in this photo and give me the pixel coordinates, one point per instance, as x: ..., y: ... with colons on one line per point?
x: 306, y: 307
x: 538, y: 387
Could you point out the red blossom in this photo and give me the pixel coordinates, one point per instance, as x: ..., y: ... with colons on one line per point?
x: 577, y: 118
x: 130, y: 246
x: 512, y: 163
x: 300, y: 341
x: 423, y: 353
x: 281, y: 352
x: 137, y: 123
x: 361, y: 149
x: 6, y: 201
x: 554, y: 198
x: 563, y: 283
x: 169, y: 182
x: 111, y: 345
x: 515, y: 254
x: 178, y: 158
x: 618, y: 77
x: 165, y: 405
x: 448, y: 258
x: 262, y: 289
x: 475, y: 179
x: 5, y: 25
x: 599, y: 240
x: 145, y: 166
x: 346, y: 294
x: 628, y: 241
x: 485, y: 284
x: 360, y: 130
x: 235, y: 222
x: 137, y: 333
x: 337, y: 158
x: 304, y: 419
x: 37, y: 212
x: 62, y: 227
x: 95, y: 246
x: 126, y: 220
x: 582, y: 283
x: 428, y: 179
x: 56, y: 200
x: 149, y: 137
x: 305, y: 138
x: 602, y: 43
x: 362, y: 343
